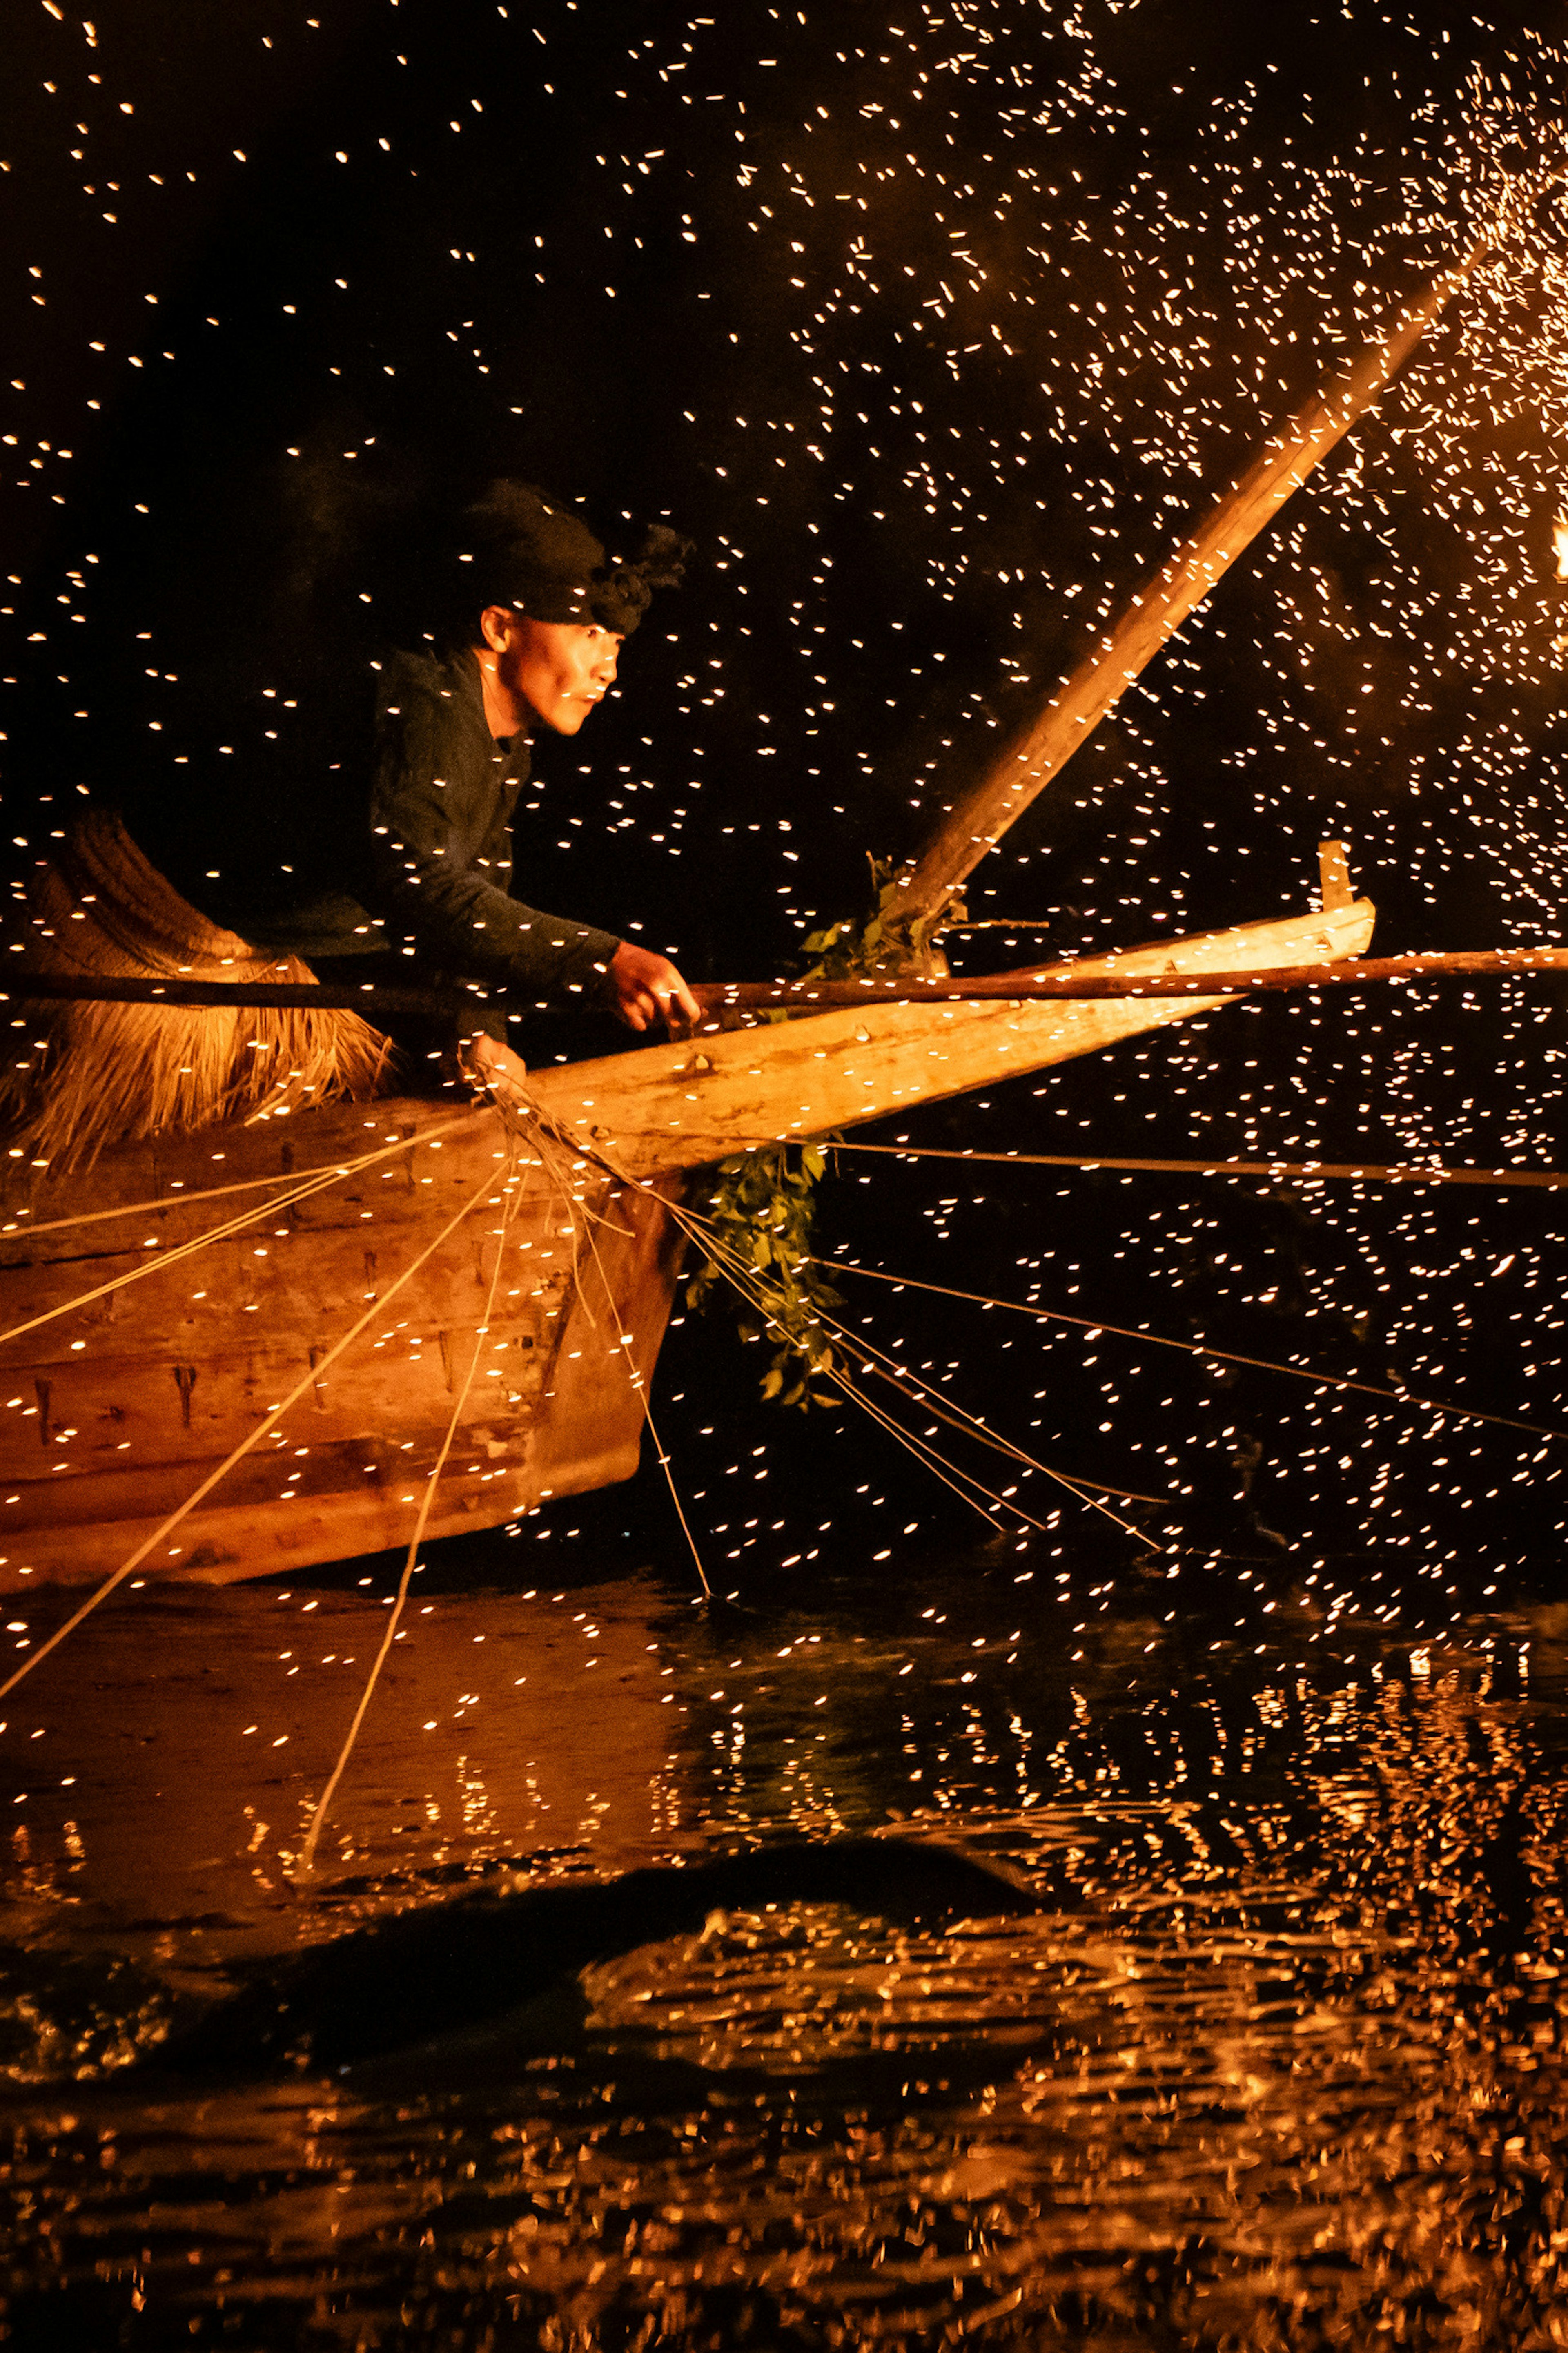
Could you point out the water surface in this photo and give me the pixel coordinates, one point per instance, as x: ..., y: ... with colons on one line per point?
x: 1278, y: 2065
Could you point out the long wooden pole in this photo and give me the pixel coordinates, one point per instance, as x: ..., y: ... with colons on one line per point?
x: 717, y: 997
x: 1031, y: 987
x: 1157, y: 609
x: 369, y: 997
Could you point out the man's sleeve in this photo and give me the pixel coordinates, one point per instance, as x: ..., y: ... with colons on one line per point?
x: 424, y: 880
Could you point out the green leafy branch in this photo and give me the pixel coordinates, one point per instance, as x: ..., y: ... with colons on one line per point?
x: 762, y: 1206
x: 885, y: 940
x: 761, y: 1215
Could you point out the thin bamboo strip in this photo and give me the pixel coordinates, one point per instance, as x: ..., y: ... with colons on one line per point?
x: 1197, y: 1348
x: 1302, y: 1171
x: 308, y: 1854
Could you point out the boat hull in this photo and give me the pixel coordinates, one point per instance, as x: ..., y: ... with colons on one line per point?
x: 114, y: 1413
x: 117, y: 1410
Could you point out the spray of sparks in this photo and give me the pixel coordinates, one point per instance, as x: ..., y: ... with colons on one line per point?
x: 940, y: 324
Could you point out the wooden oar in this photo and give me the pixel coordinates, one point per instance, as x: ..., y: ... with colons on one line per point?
x: 1157, y: 609
x: 1021, y: 988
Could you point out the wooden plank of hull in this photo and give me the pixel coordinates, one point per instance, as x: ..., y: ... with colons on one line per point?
x: 98, y: 1445
x: 271, y: 1151
x: 113, y: 1413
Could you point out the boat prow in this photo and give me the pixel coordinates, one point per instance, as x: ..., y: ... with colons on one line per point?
x: 688, y: 1106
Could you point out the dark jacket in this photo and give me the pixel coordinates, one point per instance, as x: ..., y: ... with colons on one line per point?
x: 421, y: 859
x: 438, y: 868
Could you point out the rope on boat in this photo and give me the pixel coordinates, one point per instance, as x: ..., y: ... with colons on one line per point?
x: 1306, y: 1171
x: 539, y: 1127
x: 948, y: 1473
x: 305, y: 1190
x: 887, y: 1368
x: 693, y: 1224
x: 954, y: 1416
x: 167, y: 1526
x: 739, y: 1275
x: 1197, y: 1349
x: 957, y: 1419
x: 307, y: 1863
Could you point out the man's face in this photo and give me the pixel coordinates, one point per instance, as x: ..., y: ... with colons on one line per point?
x: 558, y: 669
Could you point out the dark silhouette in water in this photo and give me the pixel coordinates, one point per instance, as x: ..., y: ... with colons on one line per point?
x: 450, y: 1967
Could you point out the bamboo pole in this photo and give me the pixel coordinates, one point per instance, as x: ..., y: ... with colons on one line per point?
x: 717, y: 997
x: 314, y: 998
x: 1025, y: 987
x: 1157, y: 609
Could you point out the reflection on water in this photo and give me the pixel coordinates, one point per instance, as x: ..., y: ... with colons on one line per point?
x: 1280, y: 2065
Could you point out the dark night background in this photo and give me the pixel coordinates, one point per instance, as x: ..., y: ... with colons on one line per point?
x: 933, y: 326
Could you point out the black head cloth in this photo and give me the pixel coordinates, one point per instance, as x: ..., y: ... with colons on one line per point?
x: 531, y: 552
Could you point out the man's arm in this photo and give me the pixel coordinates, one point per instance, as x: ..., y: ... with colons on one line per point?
x: 440, y: 857
x: 425, y: 835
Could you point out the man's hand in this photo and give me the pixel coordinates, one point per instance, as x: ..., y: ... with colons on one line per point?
x: 492, y: 1064
x: 645, y: 987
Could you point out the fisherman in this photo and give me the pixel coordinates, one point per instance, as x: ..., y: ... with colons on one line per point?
x: 541, y: 618
x: 401, y: 874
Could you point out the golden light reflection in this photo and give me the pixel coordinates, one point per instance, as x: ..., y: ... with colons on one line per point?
x: 1282, y: 2052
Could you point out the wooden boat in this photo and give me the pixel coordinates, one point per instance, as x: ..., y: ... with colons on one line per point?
x: 118, y: 1410
x: 278, y: 1396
